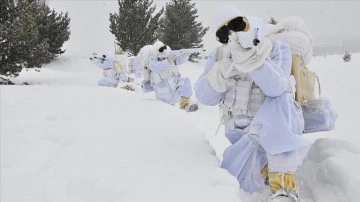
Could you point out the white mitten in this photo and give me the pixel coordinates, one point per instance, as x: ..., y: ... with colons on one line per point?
x: 227, y: 68
x: 219, y: 77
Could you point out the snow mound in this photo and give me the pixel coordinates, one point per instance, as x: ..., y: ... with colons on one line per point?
x: 330, y: 172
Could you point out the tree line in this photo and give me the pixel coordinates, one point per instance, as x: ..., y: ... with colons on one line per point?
x: 31, y: 34
x: 137, y: 24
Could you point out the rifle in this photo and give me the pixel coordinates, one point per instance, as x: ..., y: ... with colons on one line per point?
x: 95, y: 57
x: 177, y: 53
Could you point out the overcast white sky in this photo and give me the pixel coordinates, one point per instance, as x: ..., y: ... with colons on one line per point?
x: 211, y: 0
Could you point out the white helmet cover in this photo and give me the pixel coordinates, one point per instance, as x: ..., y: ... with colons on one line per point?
x: 223, y: 15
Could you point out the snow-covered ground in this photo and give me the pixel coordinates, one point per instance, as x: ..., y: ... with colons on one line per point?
x: 65, y: 139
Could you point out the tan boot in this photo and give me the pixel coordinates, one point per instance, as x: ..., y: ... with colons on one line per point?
x: 184, y: 101
x: 283, y: 187
x: 128, y: 87
x: 185, y: 105
x: 282, y: 181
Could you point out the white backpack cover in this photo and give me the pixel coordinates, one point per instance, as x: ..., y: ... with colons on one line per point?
x: 319, y: 115
x: 144, y: 55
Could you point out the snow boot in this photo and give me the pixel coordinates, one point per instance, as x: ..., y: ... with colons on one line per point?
x: 282, y: 187
x: 185, y: 105
x: 191, y: 107
x: 146, y: 86
x: 128, y: 87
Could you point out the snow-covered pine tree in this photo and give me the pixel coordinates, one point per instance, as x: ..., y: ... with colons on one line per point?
x: 179, y: 28
x: 21, y: 43
x: 347, y: 57
x: 30, y: 49
x: 54, y: 28
x: 17, y: 31
x: 6, y: 10
x: 59, y: 24
x: 135, y: 25
x: 39, y: 46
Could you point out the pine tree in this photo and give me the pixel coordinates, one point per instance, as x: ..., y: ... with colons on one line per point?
x: 54, y: 29
x: 17, y: 32
x: 347, y: 57
x: 59, y: 31
x: 179, y: 28
x: 7, y: 67
x: 135, y: 25
x: 34, y: 50
x: 5, y: 13
x: 27, y: 35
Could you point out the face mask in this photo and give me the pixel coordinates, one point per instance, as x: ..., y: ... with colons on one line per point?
x: 246, y: 39
x: 252, y: 37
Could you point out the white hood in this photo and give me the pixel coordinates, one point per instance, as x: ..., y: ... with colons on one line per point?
x: 155, y: 48
x: 223, y: 15
x: 144, y: 54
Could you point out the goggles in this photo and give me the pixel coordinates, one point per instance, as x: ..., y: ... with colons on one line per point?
x: 237, y: 25
x: 162, y: 49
